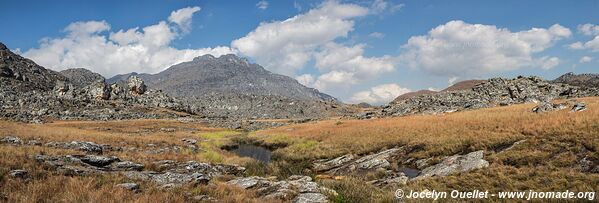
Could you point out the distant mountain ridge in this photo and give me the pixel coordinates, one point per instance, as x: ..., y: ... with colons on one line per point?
x: 227, y: 74
x: 463, y: 85
x: 586, y: 80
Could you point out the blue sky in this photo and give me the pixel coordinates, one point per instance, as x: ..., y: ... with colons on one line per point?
x: 364, y: 50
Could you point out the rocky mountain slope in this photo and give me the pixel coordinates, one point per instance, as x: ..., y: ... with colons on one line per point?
x: 493, y: 92
x: 231, y: 90
x: 208, y: 75
x: 31, y: 93
x: 587, y: 80
x: 463, y: 85
x: 81, y: 77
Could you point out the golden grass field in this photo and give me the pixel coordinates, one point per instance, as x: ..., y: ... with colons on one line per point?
x: 547, y: 161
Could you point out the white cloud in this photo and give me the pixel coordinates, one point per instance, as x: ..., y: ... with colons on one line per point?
x: 380, y: 6
x: 547, y: 63
x: 576, y: 45
x: 452, y: 80
x: 593, y: 45
x: 588, y: 29
x: 305, y: 79
x: 85, y: 28
x: 182, y: 17
x: 379, y: 94
x: 377, y: 35
x: 337, y: 57
x: 335, y: 79
x: 462, y: 49
x: 585, y: 59
x: 87, y: 45
x: 286, y: 46
x: 262, y: 5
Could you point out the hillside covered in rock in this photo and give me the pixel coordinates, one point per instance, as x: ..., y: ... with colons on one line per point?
x: 231, y: 88
x: 489, y: 93
x: 31, y: 93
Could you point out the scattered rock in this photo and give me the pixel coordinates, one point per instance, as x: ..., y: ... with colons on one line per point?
x: 347, y: 163
x: 579, y: 107
x: 168, y: 130
x: 129, y: 186
x: 548, y: 107
x: 333, y: 163
x: 189, y: 141
x: 97, y: 161
x: 128, y: 166
x: 203, y: 198
x: 34, y: 142
x: 22, y: 174
x: 455, y: 164
x: 310, y: 198
x: 78, y: 145
x: 296, y: 188
x: 11, y: 140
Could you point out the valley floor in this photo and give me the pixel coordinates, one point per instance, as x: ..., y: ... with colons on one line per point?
x: 556, y: 151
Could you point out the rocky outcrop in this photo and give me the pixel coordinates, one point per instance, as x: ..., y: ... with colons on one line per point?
x: 548, y: 107
x: 89, y: 147
x: 493, y: 92
x: 21, y: 74
x: 173, y: 175
x: 81, y: 77
x: 295, y: 188
x: 588, y: 81
x: 455, y: 164
x: 350, y: 163
x: 31, y: 93
x: 136, y: 85
x: 579, y: 107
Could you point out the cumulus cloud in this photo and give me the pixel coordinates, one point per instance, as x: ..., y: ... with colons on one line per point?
x: 182, y: 17
x: 262, y: 5
x: 547, y: 63
x: 305, y: 79
x: 286, y: 46
x: 379, y: 94
x: 589, y: 30
x: 90, y: 44
x: 585, y: 59
x: 458, y: 48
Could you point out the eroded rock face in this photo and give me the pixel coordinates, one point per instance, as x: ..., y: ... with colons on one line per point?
x: 136, y: 85
x: 348, y: 163
x: 455, y: 164
x: 295, y: 188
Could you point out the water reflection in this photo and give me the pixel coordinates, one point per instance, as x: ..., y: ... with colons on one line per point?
x: 260, y: 153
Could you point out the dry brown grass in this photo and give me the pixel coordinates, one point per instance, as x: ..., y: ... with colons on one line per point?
x: 549, y: 159
x: 438, y: 134
x: 48, y: 186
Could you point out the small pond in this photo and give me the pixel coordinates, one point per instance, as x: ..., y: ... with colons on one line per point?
x: 257, y: 152
x: 410, y: 172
